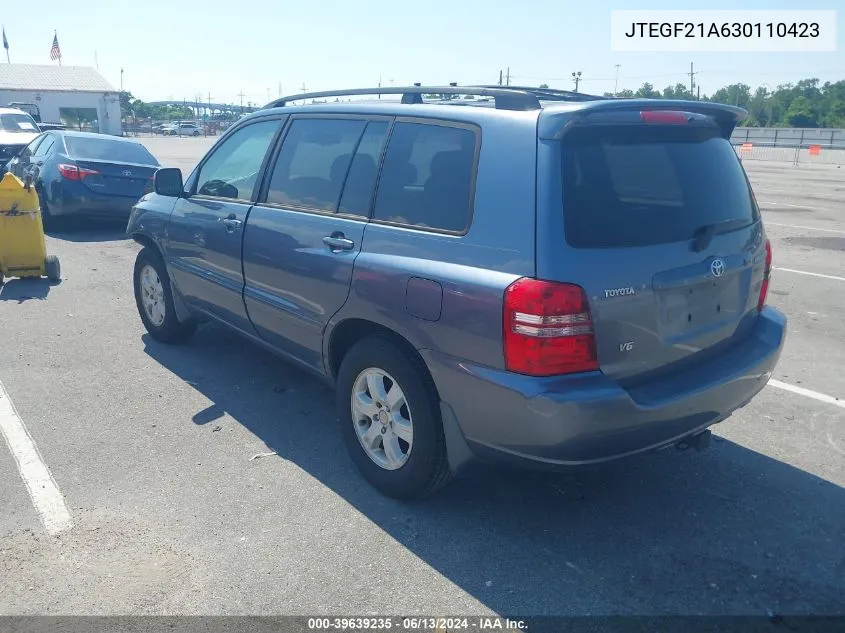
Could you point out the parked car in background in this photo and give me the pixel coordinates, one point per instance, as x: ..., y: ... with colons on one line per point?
x: 17, y: 130
x: 182, y: 129
x: 588, y: 283
x: 85, y: 174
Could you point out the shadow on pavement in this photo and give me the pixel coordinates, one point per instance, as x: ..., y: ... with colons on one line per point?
x: 21, y: 290
x: 726, y: 531
x: 88, y: 230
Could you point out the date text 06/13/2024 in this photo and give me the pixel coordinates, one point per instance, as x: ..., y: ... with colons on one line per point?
x: 417, y: 623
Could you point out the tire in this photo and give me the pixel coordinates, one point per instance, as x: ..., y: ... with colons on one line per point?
x: 164, y: 327
x: 53, y: 268
x: 47, y: 220
x: 196, y: 133
x: 423, y: 468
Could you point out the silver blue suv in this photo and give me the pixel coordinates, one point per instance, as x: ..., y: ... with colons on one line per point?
x: 513, y: 275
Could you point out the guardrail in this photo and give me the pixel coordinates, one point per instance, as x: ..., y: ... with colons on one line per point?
x: 791, y: 145
x: 812, y: 153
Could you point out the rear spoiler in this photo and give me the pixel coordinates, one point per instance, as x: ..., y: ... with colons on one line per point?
x: 555, y: 121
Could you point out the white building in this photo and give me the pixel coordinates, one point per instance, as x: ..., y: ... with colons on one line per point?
x: 76, y: 96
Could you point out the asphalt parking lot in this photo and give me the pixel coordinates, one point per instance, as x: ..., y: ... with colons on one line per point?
x: 169, y: 509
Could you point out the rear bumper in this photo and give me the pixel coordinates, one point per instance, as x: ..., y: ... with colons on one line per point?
x: 118, y: 207
x: 589, y: 418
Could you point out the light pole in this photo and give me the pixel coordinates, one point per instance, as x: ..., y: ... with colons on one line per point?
x: 121, y: 79
x: 616, y: 82
x: 576, y: 77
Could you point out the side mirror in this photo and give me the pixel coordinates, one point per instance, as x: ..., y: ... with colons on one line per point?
x: 168, y: 182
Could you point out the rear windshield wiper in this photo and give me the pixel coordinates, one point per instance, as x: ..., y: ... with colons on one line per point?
x: 703, y: 235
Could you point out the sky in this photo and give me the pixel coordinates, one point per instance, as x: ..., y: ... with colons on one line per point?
x: 260, y: 48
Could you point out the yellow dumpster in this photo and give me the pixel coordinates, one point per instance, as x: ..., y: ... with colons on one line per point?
x: 23, y: 252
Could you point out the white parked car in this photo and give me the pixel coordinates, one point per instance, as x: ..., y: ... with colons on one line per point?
x: 181, y: 129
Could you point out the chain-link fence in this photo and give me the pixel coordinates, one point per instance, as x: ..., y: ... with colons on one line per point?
x: 791, y: 145
x: 172, y: 128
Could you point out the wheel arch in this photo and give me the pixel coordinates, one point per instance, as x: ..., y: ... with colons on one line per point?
x: 343, y: 336
x: 183, y: 313
x: 346, y: 333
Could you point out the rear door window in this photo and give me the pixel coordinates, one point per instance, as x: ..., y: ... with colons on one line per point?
x: 314, y: 161
x: 427, y: 180
x: 44, y: 147
x: 636, y: 186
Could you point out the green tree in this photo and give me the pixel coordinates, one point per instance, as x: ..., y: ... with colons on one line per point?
x: 678, y: 91
x: 647, y: 91
x: 544, y: 85
x: 801, y: 113
x: 735, y: 94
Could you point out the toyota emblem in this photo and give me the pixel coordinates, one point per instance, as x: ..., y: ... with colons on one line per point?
x: 717, y: 267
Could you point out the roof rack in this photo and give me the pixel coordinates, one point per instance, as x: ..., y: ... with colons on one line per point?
x: 506, y: 98
x: 552, y: 94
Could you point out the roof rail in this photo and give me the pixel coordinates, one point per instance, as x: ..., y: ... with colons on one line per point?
x: 552, y: 94
x: 506, y: 98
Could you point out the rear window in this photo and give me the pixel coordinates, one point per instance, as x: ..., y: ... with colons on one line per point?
x: 636, y: 186
x: 106, y: 149
x: 18, y: 123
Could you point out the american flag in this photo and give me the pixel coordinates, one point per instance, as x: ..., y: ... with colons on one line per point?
x: 55, y: 51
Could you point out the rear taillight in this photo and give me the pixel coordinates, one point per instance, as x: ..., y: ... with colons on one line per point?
x: 72, y: 172
x: 548, y: 329
x: 672, y: 117
x: 767, y: 271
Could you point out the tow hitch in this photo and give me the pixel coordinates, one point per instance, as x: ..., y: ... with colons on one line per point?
x: 699, y: 441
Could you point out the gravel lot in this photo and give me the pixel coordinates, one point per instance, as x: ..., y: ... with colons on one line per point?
x: 151, y: 447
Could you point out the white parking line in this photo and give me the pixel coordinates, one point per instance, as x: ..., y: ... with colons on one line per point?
x: 797, y: 206
x: 759, y: 189
x: 43, y: 491
x: 815, y: 395
x: 804, y: 272
x: 804, y: 228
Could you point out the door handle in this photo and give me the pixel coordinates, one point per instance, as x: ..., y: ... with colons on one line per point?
x: 338, y: 242
x: 231, y: 223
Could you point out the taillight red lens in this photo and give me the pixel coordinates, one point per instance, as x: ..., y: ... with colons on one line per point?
x: 673, y: 117
x: 548, y: 329
x: 72, y: 172
x: 767, y: 271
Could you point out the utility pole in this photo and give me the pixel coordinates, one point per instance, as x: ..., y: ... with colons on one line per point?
x: 209, y: 104
x: 379, y: 85
x: 576, y: 77
x: 692, y: 75
x: 241, y: 95
x: 304, y: 89
x: 508, y: 80
x: 280, y: 89
x: 500, y: 77
x: 616, y: 82
x: 121, y: 79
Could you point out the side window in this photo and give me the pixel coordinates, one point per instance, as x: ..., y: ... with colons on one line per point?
x: 427, y: 177
x: 33, y: 146
x: 44, y: 147
x: 314, y: 162
x: 232, y: 170
x: 361, y: 177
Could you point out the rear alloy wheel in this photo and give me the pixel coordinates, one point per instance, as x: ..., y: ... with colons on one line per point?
x: 154, y: 299
x: 390, y: 419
